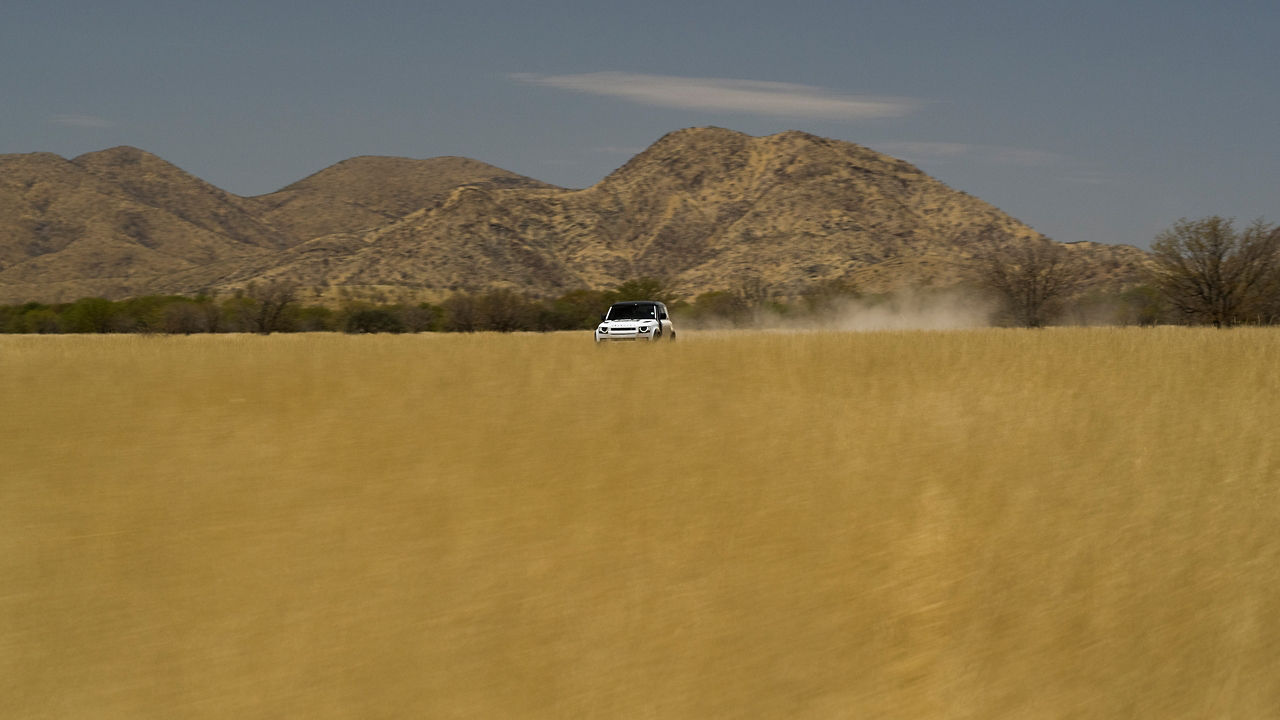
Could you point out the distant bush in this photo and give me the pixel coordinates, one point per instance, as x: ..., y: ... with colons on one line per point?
x: 500, y: 310
x: 575, y: 310
x: 827, y: 295
x: 422, y: 317
x: 461, y: 313
x: 373, y: 320
x: 185, y: 317
x: 34, y: 318
x: 719, y: 306
x: 645, y: 288
x: 92, y: 315
x: 505, y: 310
x: 315, y: 318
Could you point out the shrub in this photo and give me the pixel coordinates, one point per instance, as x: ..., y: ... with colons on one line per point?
x: 373, y: 320
x: 90, y: 315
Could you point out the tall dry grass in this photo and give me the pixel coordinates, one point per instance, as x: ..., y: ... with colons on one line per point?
x: 980, y: 524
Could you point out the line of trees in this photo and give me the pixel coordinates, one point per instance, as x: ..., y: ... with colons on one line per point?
x: 1202, y: 271
x: 275, y: 307
x: 280, y: 311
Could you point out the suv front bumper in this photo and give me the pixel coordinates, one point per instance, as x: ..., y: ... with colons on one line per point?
x: 625, y: 335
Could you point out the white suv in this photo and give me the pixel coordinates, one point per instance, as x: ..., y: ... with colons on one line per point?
x: 635, y: 320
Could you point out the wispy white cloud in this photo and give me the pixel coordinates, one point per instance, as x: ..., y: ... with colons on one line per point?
x: 1025, y: 157
x: 720, y: 94
x: 1067, y: 168
x: 999, y: 154
x: 912, y: 150
x: 1089, y: 177
x: 81, y: 121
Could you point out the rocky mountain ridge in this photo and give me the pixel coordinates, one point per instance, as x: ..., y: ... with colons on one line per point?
x: 702, y: 208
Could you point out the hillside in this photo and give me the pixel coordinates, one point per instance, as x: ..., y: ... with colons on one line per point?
x: 123, y: 222
x: 704, y: 208
x: 367, y: 192
x: 109, y: 223
x: 156, y: 183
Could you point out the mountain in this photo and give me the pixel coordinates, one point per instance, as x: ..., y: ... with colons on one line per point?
x: 703, y: 208
x: 367, y: 192
x: 124, y: 222
x: 109, y: 223
x: 158, y: 184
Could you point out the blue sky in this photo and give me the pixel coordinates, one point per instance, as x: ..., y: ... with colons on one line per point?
x: 1088, y: 120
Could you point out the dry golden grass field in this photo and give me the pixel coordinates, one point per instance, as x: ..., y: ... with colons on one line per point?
x: 1071, y: 523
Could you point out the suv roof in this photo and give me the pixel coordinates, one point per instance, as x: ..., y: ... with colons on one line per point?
x: 637, y: 302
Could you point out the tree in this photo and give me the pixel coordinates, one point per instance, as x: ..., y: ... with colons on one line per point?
x: 504, y: 310
x: 421, y: 317
x: 145, y: 313
x: 373, y: 320
x: 90, y: 315
x: 37, y: 318
x: 461, y: 313
x: 1142, y: 305
x: 824, y: 296
x: 314, y: 318
x: 645, y: 288
x: 272, y: 302
x: 1268, y: 310
x: 212, y: 311
x: 575, y: 310
x: 1212, y: 273
x: 184, y: 317
x: 1030, y: 279
x: 720, y: 306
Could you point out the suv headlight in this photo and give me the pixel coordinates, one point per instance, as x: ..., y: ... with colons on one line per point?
x: 642, y: 328
x: 602, y: 329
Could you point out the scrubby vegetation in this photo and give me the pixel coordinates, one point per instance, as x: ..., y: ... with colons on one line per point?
x: 831, y: 304
x: 1201, y: 272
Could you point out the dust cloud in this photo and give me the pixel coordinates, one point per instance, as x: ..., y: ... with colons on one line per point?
x: 901, y: 311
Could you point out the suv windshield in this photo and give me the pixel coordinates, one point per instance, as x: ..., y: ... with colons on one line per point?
x: 633, y: 311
